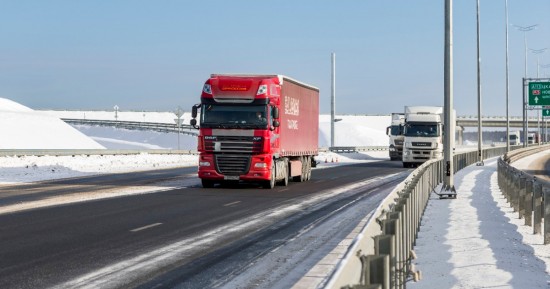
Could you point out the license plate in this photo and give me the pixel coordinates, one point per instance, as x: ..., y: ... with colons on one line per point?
x: 231, y: 178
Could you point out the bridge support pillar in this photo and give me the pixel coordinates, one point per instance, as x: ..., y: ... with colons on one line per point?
x: 460, y: 133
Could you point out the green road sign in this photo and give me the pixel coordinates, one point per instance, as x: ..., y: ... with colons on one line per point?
x: 546, y: 112
x: 539, y: 93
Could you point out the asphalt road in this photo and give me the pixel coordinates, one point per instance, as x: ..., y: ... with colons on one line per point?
x: 162, y: 239
x: 539, y: 167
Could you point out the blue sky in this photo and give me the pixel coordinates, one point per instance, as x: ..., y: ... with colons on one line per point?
x: 155, y: 55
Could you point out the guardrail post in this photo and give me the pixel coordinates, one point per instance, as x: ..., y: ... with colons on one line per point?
x: 515, y: 192
x: 537, y: 208
x: 385, y: 245
x: 546, y: 216
x: 406, y: 229
x: 399, y: 231
x: 392, y: 226
x: 509, y: 178
x: 379, y: 270
x: 521, y: 197
x: 529, y: 203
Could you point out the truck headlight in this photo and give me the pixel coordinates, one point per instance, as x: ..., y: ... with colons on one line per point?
x: 204, y: 164
x: 260, y: 165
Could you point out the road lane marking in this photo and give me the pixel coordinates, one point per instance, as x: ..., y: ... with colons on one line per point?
x: 145, y: 227
x: 282, y: 190
x: 230, y: 204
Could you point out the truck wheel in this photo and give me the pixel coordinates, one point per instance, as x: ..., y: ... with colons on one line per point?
x: 285, y: 179
x: 271, y: 183
x: 405, y: 165
x: 301, y: 177
x: 207, y: 183
x: 308, y: 168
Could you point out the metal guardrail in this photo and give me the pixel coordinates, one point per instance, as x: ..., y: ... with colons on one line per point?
x: 135, y: 125
x: 528, y: 196
x: 380, y: 257
x: 74, y: 152
x: 342, y: 149
x: 90, y: 152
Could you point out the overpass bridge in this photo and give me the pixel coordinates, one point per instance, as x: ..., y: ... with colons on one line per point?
x: 495, y: 121
x: 461, y: 123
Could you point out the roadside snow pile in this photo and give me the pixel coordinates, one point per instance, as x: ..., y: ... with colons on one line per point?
x: 354, y: 130
x: 33, y: 168
x: 23, y: 128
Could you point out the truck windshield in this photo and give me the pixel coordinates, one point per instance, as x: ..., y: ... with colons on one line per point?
x: 513, y: 137
x: 422, y: 129
x: 396, y: 130
x: 233, y: 116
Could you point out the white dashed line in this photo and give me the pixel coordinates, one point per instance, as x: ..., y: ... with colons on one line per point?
x: 145, y: 227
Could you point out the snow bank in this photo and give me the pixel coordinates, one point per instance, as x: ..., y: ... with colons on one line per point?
x: 24, y: 128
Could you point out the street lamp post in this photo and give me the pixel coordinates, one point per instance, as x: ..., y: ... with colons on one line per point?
x: 538, y: 52
x: 544, y: 119
x: 333, y: 99
x: 448, y: 142
x: 479, y: 132
x: 507, y: 82
x: 525, y: 29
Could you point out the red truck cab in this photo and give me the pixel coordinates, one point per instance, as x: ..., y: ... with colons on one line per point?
x: 256, y: 128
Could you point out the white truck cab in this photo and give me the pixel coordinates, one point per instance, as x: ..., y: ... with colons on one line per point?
x: 395, y: 134
x: 423, y: 134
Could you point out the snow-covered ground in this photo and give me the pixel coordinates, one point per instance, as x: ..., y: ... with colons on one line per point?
x: 474, y: 241
x: 477, y: 241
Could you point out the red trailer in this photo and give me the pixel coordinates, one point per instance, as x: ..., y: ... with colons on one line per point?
x: 256, y: 128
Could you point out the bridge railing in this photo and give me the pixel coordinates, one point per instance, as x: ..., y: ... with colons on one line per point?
x: 135, y: 125
x: 528, y: 195
x: 380, y: 256
x: 89, y: 152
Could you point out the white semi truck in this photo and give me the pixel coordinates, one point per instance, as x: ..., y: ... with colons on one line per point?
x: 395, y: 133
x: 514, y: 138
x: 423, y: 134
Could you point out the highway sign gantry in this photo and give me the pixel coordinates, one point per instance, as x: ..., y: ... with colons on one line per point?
x: 539, y: 93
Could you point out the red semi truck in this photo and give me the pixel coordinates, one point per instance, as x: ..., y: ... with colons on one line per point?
x: 256, y: 128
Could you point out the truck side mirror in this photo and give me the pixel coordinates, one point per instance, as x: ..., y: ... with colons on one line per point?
x: 193, y: 122
x: 276, y: 123
x: 388, y: 130
x: 275, y: 113
x: 194, y: 110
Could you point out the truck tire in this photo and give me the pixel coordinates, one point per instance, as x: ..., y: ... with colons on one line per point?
x: 271, y: 183
x: 301, y: 177
x: 285, y: 179
x: 308, y: 168
x: 207, y: 183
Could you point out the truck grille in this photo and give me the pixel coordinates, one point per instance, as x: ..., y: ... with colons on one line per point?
x: 233, y: 144
x: 422, y: 144
x: 232, y: 164
x: 421, y: 155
